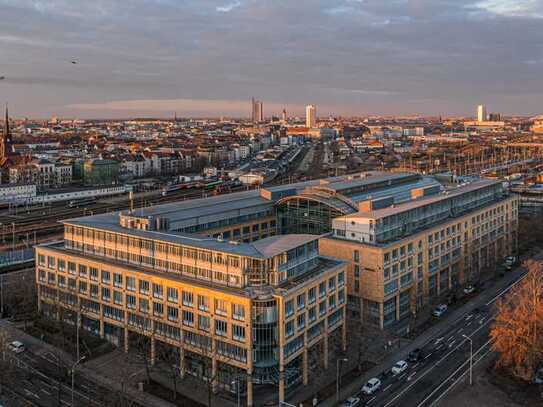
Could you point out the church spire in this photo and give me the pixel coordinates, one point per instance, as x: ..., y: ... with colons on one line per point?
x: 5, y: 142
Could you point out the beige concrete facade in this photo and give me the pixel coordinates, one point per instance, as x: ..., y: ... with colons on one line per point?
x: 389, y: 282
x: 225, y: 315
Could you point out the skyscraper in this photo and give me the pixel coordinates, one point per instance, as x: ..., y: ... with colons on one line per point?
x: 257, y: 111
x: 284, y: 116
x: 311, y: 116
x: 481, y: 113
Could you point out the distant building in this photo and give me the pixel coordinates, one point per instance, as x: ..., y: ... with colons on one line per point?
x: 100, y: 172
x: 258, y: 111
x: 311, y: 116
x: 481, y: 113
x: 284, y: 116
x: 494, y: 117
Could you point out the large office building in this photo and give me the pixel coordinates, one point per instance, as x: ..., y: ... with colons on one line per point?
x: 258, y: 283
x: 257, y: 111
x: 404, y: 256
x: 481, y: 113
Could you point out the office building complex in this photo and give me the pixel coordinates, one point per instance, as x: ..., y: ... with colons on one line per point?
x: 311, y: 116
x: 229, y: 309
x: 256, y: 283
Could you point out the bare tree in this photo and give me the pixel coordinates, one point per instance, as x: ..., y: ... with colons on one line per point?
x: 517, y: 333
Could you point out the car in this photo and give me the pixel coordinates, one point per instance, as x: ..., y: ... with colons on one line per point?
x: 371, y: 386
x: 399, y: 367
x: 351, y: 402
x: 538, y: 377
x: 415, y: 355
x: 469, y: 289
x: 16, y: 347
x: 439, y: 310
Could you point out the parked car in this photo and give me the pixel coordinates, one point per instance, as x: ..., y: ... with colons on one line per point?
x: 415, y: 355
x: 469, y: 289
x: 439, y: 310
x: 351, y: 402
x: 509, y: 262
x: 399, y: 367
x: 538, y: 377
x: 16, y: 347
x: 371, y: 386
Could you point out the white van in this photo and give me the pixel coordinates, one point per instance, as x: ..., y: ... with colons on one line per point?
x: 16, y: 347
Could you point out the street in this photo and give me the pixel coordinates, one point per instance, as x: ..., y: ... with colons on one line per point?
x: 445, y: 360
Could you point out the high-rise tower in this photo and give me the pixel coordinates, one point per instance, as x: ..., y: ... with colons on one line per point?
x: 311, y: 116
x: 481, y: 113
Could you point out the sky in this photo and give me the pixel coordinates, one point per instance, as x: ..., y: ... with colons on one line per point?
x: 209, y: 57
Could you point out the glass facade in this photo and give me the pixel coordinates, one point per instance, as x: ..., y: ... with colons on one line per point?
x: 305, y: 215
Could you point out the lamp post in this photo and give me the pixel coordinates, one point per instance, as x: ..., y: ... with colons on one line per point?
x: 73, y: 376
x: 338, y: 364
x: 470, y: 359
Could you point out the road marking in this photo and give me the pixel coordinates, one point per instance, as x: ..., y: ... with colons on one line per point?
x: 452, y: 343
x: 460, y: 330
x: 439, y: 347
x: 428, y: 355
x: 401, y: 377
x: 481, y: 320
x: 438, y: 340
x: 450, y: 337
x: 469, y: 323
x: 402, y: 392
x: 386, y: 388
x: 415, y: 365
x: 411, y: 376
x: 45, y: 391
x: 506, y: 289
x: 370, y: 400
x: 468, y: 317
x: 457, y: 380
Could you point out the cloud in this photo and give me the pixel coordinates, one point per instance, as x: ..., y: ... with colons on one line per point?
x: 511, y: 8
x: 228, y: 7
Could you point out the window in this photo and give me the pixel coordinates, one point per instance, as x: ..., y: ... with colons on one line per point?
x: 93, y: 274
x: 82, y: 286
x: 312, y: 314
x: 238, y: 333
x: 144, y: 287
x: 301, y: 321
x: 158, y: 308
x: 188, y: 299
x: 356, y: 255
x: 238, y: 312
x: 221, y: 327
x: 322, y: 308
x: 82, y: 270
x: 332, y: 302
x: 71, y: 267
x: 158, y: 290
x: 203, y: 303
x: 130, y: 301
x: 106, y: 277
x: 61, y: 265
x: 106, y: 294
x: 204, y: 323
x: 117, y: 280
x: 289, y: 308
x: 322, y: 289
x: 173, y: 295
x: 117, y: 297
x: 94, y: 291
x: 300, y: 301
x: 173, y: 314
x: 289, y: 329
x: 341, y: 279
x: 144, y: 305
x: 41, y: 260
x: 51, y: 262
x: 331, y: 284
x: 311, y: 295
x: 188, y: 318
x: 131, y: 283
x: 391, y: 287
x: 221, y: 307
x: 51, y: 278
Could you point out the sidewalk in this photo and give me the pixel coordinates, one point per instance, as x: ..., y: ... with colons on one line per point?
x: 39, y: 347
x: 418, y: 342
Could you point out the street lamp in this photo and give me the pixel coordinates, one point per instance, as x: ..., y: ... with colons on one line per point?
x: 338, y: 364
x: 470, y: 359
x: 73, y: 376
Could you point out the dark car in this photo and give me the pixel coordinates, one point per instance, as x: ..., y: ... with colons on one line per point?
x: 415, y: 355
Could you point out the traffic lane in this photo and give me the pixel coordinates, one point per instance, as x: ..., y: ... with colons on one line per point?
x: 435, y: 353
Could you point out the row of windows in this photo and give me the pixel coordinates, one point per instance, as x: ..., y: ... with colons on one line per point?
x: 303, y: 299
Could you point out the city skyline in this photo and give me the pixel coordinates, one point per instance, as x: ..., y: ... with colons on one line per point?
x: 111, y: 60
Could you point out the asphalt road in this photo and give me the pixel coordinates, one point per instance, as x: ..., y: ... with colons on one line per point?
x: 445, y: 361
